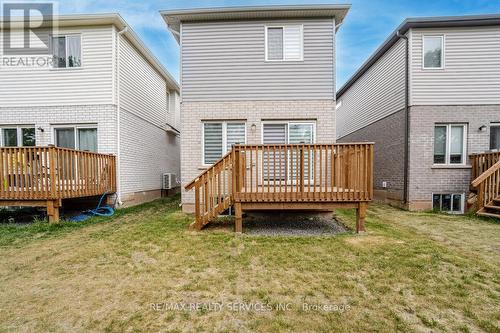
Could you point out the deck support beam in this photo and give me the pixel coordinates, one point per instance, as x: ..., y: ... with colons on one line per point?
x: 238, y: 221
x: 53, y: 210
x: 360, y: 217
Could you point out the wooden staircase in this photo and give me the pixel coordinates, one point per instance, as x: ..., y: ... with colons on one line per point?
x: 487, y: 184
x: 491, y: 210
x: 213, y: 190
x: 285, y: 177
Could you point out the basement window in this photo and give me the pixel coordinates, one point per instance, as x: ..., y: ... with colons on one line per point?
x: 448, y: 203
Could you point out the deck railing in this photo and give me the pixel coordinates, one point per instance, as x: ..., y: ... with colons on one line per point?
x: 284, y: 173
x: 51, y: 173
x: 481, y: 162
x: 304, y: 172
x: 488, y: 185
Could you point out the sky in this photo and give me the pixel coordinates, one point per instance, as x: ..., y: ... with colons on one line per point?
x: 367, y: 25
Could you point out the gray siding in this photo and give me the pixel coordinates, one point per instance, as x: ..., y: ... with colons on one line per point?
x: 226, y: 61
x: 472, y: 68
x: 376, y: 94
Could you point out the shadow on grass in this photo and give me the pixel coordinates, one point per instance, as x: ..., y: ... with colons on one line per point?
x: 15, y: 233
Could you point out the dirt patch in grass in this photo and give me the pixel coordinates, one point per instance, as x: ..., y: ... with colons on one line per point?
x: 284, y: 224
x: 124, y: 274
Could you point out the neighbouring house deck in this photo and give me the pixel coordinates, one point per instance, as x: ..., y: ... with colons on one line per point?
x: 291, y: 177
x: 486, y: 182
x: 43, y: 176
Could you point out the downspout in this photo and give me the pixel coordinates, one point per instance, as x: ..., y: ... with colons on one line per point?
x: 118, y: 112
x: 407, y: 119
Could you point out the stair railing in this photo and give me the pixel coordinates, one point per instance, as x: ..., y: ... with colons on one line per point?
x: 488, y: 185
x: 213, y: 190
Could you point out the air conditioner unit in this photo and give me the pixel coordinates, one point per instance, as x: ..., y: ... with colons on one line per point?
x: 168, y: 181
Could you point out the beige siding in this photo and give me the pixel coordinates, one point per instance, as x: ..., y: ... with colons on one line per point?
x: 378, y: 93
x: 90, y: 84
x: 472, y: 68
x: 226, y: 61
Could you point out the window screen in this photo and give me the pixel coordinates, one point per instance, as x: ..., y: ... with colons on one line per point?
x: 275, y: 43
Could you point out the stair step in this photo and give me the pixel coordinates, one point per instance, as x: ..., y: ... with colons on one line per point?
x: 491, y: 207
x: 497, y: 201
x: 483, y: 213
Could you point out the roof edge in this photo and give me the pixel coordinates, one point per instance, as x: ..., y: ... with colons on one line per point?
x: 174, y: 17
x: 418, y: 22
x: 236, y: 9
x: 117, y: 20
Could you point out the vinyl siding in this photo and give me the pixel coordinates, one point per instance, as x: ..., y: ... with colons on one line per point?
x: 472, y: 68
x: 143, y: 91
x: 90, y: 84
x: 378, y: 93
x: 226, y: 61
x: 147, y: 150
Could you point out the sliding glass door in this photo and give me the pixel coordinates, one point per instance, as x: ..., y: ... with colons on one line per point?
x: 281, y: 166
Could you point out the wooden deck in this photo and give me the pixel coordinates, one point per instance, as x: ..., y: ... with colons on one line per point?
x: 301, y: 177
x: 44, y: 176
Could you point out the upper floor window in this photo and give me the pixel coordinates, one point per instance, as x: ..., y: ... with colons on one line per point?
x: 433, y: 52
x: 17, y: 136
x: 67, y: 51
x: 449, y: 143
x: 284, y: 43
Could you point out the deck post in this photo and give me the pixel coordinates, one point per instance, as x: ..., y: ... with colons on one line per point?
x: 360, y: 217
x: 53, y: 210
x: 238, y: 221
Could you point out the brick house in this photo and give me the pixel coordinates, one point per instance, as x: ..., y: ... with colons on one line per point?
x: 254, y: 75
x: 433, y: 87
x: 104, y: 92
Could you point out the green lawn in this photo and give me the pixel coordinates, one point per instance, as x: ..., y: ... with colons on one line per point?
x: 417, y: 272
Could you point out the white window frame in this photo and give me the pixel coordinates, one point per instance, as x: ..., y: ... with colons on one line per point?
x: 283, y: 26
x: 19, y: 133
x: 493, y: 124
x: 442, y: 52
x: 224, y: 136
x: 448, y: 144
x: 287, y: 123
x: 75, y: 128
x: 462, y: 202
x: 66, y: 46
